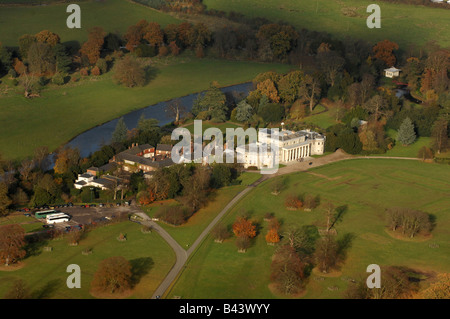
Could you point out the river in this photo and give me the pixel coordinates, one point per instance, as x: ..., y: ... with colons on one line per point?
x: 93, y: 139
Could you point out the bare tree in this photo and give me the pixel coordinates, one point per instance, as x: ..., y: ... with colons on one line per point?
x: 176, y: 109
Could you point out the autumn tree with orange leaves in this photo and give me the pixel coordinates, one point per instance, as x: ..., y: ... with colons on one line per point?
x: 243, y: 227
x: 384, y: 51
x: 268, y: 88
x: 48, y: 37
x: 12, y: 240
x: 92, y: 47
x: 153, y: 34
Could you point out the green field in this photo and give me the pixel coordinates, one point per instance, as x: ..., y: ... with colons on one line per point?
x: 368, y: 187
x: 404, y: 24
x: 45, y: 272
x: 112, y: 15
x: 61, y: 113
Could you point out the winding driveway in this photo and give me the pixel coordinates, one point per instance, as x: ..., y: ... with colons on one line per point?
x: 182, y: 255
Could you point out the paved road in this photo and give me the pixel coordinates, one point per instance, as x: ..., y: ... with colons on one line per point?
x: 182, y: 255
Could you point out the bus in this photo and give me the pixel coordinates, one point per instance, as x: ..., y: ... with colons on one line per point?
x: 57, y: 218
x: 44, y: 213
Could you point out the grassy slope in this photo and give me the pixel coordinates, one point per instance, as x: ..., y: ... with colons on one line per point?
x: 46, y: 275
x: 404, y: 24
x: 62, y: 113
x: 112, y: 15
x: 368, y: 187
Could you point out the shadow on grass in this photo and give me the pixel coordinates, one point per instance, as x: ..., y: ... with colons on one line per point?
x: 344, y: 244
x: 48, y: 289
x: 34, y: 246
x: 139, y: 268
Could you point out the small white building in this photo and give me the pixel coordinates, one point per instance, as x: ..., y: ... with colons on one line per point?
x: 391, y: 72
x: 83, y: 180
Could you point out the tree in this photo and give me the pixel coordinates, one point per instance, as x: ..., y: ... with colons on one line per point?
x: 354, y: 94
x: 133, y: 36
x: 113, y: 275
x: 176, y: 109
x: 287, y: 271
x: 5, y: 201
x: 25, y: 42
x: 244, y: 111
x: 195, y: 189
x: 279, y: 38
x: 12, y: 240
x: 186, y: 34
x: 5, y: 59
x: 147, y: 125
x: 289, y: 85
x: 425, y: 153
x: 326, y: 254
x: 130, y: 72
x: 120, y: 132
x: 409, y: 221
x: 406, y: 134
x: 331, y: 63
x: 376, y: 106
x: 310, y: 201
x: 439, y: 135
x: 310, y: 90
x: 202, y: 35
x: 293, y: 202
x: 47, y: 37
x: 66, y: 159
x: 384, y: 51
x: 18, y: 290
x: 93, y: 46
x: 395, y: 284
x: 440, y: 289
x: 243, y: 227
x: 221, y: 175
x: 41, y: 155
x: 272, y: 236
x: 174, y: 49
x: 213, y: 101
x: 41, y: 58
x: 268, y: 88
x: 220, y: 233
x: 153, y: 34
x: 367, y: 85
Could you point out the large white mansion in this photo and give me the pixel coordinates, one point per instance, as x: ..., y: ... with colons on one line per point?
x: 292, y: 146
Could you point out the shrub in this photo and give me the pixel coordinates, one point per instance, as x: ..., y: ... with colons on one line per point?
x: 293, y: 202
x: 84, y: 72
x: 174, y: 215
x: 310, y: 201
x: 95, y: 71
x: 163, y: 51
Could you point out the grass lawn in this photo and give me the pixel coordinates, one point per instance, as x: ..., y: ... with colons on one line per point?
x: 111, y: 15
x: 61, y: 113
x: 368, y: 187
x: 406, y: 151
x: 45, y: 272
x: 323, y: 120
x: 404, y: 24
